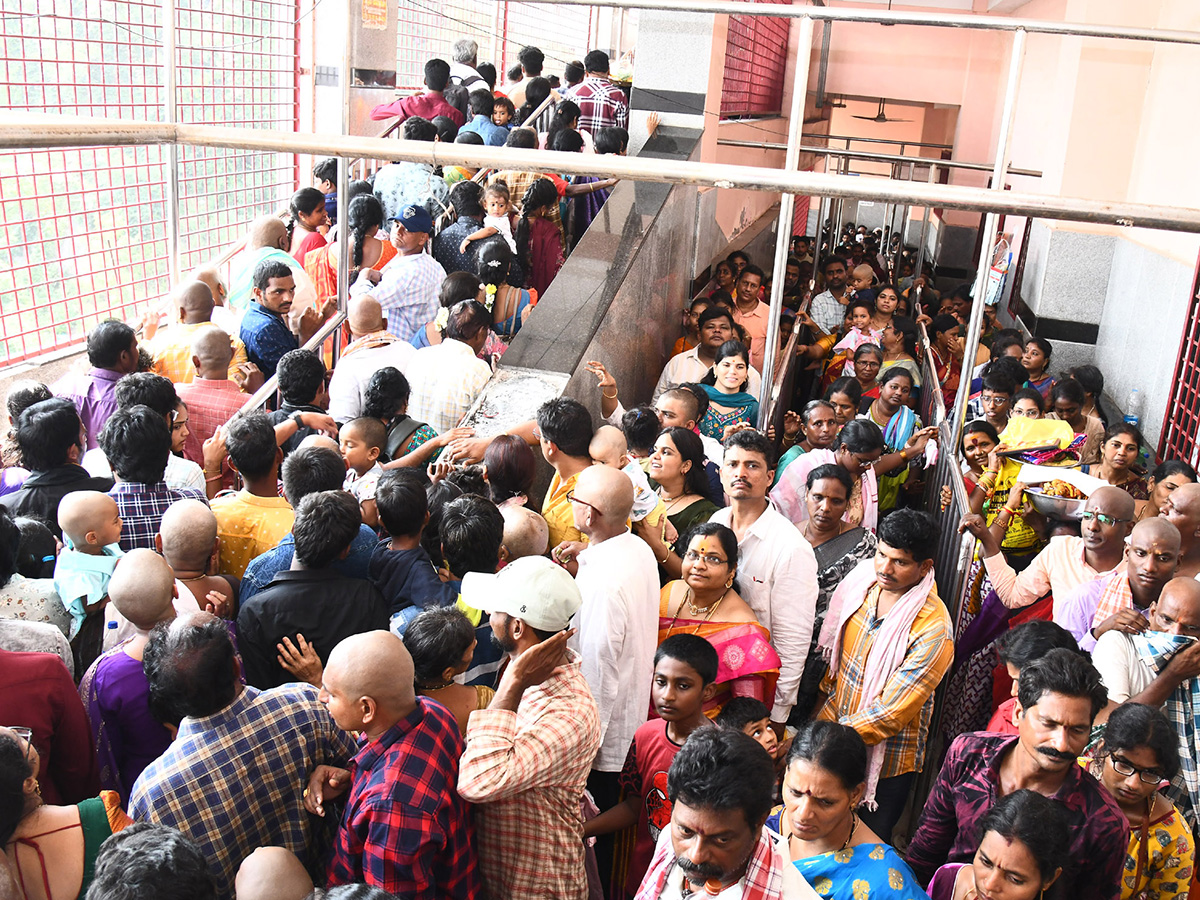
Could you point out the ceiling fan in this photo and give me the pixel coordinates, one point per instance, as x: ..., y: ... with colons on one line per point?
x: 881, y: 117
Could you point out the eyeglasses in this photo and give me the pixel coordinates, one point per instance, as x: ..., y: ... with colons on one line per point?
x: 573, y: 499
x: 1103, y: 518
x: 1125, y: 768
x: 711, y: 558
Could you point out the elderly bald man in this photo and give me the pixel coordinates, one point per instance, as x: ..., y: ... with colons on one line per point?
x: 267, y: 238
x: 172, y: 346
x: 232, y: 780
x: 618, y: 622
x: 1067, y: 561
x: 1120, y: 599
x: 405, y: 829
x: 272, y: 873
x: 371, y: 349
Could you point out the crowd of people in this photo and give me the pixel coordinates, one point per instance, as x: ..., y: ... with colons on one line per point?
x: 339, y: 648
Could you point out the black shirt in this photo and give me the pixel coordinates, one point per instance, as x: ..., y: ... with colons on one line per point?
x: 41, y: 493
x: 302, y: 431
x: 319, y: 603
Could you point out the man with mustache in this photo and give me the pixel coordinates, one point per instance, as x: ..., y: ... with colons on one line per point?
x: 721, y: 786
x: 1058, y: 698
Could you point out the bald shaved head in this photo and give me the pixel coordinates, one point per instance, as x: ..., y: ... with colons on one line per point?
x: 366, y: 315
x: 211, y: 276
x: 189, y: 532
x: 323, y: 441
x: 608, y: 446
x: 84, y: 515
x: 1178, y: 608
x: 272, y: 873
x: 142, y: 588
x: 1112, y: 501
x: 267, y: 231
x: 373, y: 666
x: 609, y: 490
x: 525, y: 532
x: 1157, y: 529
x: 1182, y: 510
x: 195, y: 302
x: 212, y: 350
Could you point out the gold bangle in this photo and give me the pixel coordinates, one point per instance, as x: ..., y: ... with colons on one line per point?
x: 606, y: 397
x: 665, y: 557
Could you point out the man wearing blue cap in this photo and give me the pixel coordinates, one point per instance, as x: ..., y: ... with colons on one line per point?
x: 407, y: 290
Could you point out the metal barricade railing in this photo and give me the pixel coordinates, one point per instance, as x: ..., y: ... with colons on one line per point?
x: 271, y: 386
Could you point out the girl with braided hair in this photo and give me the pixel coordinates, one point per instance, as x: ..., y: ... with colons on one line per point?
x: 539, y: 242
x: 307, y: 217
x: 365, y: 220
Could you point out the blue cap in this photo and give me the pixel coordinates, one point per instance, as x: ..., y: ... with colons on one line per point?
x: 414, y: 218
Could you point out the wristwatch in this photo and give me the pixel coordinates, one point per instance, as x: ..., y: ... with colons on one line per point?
x: 298, y: 418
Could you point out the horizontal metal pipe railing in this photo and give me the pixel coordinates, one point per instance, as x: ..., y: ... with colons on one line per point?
x: 897, y: 17
x: 867, y: 156
x: 28, y: 130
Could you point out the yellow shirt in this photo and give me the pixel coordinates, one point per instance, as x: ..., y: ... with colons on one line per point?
x: 556, y: 510
x: 249, y: 526
x: 172, y: 352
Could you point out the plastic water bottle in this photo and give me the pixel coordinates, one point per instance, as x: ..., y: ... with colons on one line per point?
x: 1133, y: 408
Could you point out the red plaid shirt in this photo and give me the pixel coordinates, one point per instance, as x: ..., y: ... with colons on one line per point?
x: 405, y: 828
x: 210, y: 403
x: 601, y: 105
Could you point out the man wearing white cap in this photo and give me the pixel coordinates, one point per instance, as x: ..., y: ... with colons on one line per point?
x: 529, y: 753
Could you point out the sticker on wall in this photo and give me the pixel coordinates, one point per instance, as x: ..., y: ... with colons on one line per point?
x: 375, y: 14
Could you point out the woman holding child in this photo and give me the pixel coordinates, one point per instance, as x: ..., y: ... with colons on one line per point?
x: 705, y: 602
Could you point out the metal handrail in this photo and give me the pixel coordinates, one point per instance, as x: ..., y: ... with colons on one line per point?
x: 898, y: 17
x: 482, y: 174
x: 867, y: 156
x: 271, y: 385
x: 32, y: 130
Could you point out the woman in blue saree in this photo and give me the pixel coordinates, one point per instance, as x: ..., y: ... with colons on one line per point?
x: 838, y: 855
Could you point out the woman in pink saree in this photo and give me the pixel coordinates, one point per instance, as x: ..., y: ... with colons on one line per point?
x: 705, y: 602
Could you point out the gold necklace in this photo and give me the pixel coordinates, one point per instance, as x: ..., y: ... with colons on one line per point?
x: 710, y: 610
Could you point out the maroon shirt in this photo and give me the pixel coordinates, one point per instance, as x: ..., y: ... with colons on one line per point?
x: 36, y: 691
x: 968, y: 786
x: 426, y: 105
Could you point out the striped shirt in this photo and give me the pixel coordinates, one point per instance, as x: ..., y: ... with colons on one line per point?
x: 526, y: 772
x: 900, y: 714
x: 234, y: 781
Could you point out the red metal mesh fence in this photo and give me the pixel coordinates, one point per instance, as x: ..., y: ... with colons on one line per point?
x: 84, y: 229
x: 755, y: 59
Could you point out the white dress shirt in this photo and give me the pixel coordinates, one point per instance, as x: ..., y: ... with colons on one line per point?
x: 777, y: 577
x: 445, y: 380
x: 617, y: 639
x: 687, y: 367
x: 353, y: 373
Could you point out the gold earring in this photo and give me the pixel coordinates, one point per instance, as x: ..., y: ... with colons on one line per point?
x: 729, y: 583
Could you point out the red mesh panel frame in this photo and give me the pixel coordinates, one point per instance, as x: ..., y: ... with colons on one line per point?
x: 755, y: 59
x: 84, y: 231
x: 429, y: 28
x: 1181, y: 420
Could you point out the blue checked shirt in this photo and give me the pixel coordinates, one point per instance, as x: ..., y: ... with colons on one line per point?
x: 408, y: 293
x: 142, y: 507
x: 266, y: 337
x: 234, y: 781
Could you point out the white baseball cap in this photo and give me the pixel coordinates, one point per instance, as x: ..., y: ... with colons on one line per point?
x: 533, y: 589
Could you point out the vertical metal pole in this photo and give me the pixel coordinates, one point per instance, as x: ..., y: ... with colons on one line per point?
x: 171, y: 113
x: 787, y: 204
x: 343, y: 176
x: 990, y: 224
x: 924, y: 231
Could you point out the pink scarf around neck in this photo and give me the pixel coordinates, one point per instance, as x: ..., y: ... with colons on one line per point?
x: 887, y: 650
